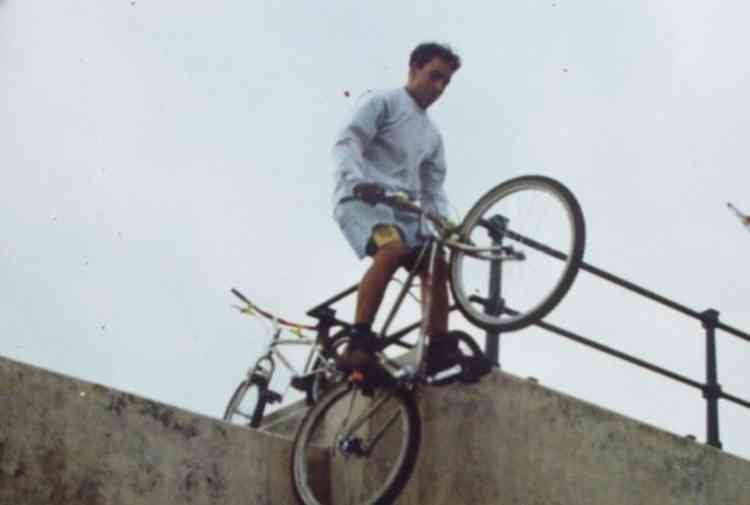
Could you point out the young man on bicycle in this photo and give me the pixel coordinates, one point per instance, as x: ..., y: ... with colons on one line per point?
x: 390, y: 143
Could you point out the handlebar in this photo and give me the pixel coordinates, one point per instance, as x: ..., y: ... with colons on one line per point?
x: 254, y: 308
x: 239, y: 295
x: 400, y: 200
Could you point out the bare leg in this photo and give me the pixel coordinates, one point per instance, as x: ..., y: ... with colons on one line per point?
x: 438, y: 321
x: 386, y: 261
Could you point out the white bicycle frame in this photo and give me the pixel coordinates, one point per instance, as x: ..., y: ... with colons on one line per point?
x: 272, y: 352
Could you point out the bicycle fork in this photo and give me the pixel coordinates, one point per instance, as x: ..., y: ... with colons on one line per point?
x: 349, y: 444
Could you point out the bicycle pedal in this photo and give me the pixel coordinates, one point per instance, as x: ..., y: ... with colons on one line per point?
x: 302, y: 383
x: 474, y: 369
x: 468, y: 377
x: 446, y: 376
x: 271, y: 396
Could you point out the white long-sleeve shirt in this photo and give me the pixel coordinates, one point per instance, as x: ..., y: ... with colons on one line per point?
x: 390, y: 140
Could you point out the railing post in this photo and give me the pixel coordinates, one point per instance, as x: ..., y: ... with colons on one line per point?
x: 712, y: 389
x: 493, y: 307
x: 495, y: 304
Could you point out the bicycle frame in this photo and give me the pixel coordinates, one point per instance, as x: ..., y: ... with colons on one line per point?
x: 435, y: 241
x: 411, y: 375
x: 370, y: 425
x: 273, y: 352
x: 364, y: 417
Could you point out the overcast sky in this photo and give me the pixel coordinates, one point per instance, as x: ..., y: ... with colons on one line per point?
x: 155, y: 154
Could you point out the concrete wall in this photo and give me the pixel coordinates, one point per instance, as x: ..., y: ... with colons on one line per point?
x: 504, y: 441
x: 69, y: 442
x: 509, y: 441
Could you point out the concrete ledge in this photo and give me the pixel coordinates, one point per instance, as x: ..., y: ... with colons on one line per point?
x: 65, y: 442
x: 285, y: 420
x: 504, y: 441
x: 509, y: 441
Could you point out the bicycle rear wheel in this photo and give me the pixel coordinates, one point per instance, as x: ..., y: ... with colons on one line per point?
x: 540, y: 223
x: 355, y: 448
x: 248, y: 402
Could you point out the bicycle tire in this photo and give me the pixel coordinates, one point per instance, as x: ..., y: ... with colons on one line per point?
x: 376, y: 477
x: 474, y: 351
x: 477, y: 364
x: 474, y: 363
x: 236, y: 414
x: 563, y: 239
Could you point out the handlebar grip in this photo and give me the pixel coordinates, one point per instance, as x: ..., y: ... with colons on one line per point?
x: 398, y: 200
x: 239, y: 295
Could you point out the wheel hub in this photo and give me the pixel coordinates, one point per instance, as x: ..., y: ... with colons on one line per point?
x: 352, y: 446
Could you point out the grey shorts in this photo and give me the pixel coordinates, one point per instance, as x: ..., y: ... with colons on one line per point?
x: 357, y: 220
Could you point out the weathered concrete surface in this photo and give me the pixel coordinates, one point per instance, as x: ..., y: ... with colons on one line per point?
x: 509, y: 441
x: 68, y: 442
x: 505, y: 441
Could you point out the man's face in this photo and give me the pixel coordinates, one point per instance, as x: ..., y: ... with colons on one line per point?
x: 427, y: 83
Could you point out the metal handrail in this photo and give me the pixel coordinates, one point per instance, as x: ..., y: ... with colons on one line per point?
x: 711, y: 389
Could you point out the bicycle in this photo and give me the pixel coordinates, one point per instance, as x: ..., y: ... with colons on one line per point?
x: 248, y: 403
x: 744, y: 218
x: 505, y: 273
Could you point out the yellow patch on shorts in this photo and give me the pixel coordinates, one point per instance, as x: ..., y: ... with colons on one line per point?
x: 383, y: 235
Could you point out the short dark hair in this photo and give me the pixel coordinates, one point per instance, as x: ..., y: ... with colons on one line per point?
x: 426, y: 51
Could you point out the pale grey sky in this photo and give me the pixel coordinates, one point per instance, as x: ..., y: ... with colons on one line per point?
x: 156, y: 153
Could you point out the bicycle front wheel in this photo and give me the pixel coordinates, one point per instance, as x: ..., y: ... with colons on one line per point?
x: 539, y: 224
x: 356, y: 448
x: 248, y: 402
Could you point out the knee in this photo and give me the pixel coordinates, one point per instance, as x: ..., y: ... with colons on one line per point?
x: 391, y: 255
